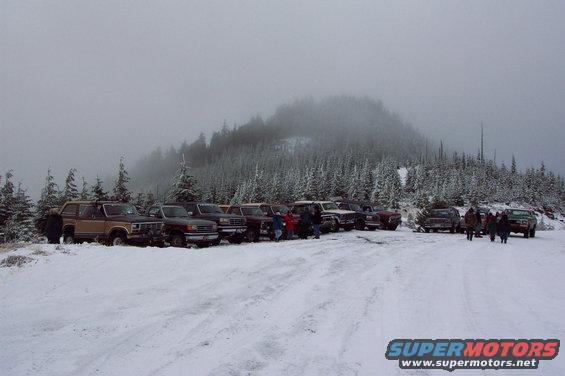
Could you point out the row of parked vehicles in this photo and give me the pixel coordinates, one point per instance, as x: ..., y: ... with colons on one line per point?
x: 204, y: 224
x: 522, y: 221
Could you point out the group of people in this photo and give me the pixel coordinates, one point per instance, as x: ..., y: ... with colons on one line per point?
x: 495, y: 224
x: 307, y: 218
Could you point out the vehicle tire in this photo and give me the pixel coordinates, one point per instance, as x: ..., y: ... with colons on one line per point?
x: 117, y: 238
x: 435, y: 230
x: 324, y: 230
x: 252, y: 235
x: 426, y: 230
x: 392, y: 228
x: 527, y: 234
x: 203, y: 244
x: 178, y: 241
x: 235, y: 239
x: 360, y: 225
x: 69, y: 238
x: 216, y: 242
x: 335, y: 226
x: 372, y: 228
x: 533, y: 233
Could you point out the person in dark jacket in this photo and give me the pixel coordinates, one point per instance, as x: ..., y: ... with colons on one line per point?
x: 304, y: 224
x: 316, y: 221
x: 504, y: 228
x: 479, y: 224
x: 470, y: 223
x: 54, y: 226
x: 277, y: 225
x: 491, y: 226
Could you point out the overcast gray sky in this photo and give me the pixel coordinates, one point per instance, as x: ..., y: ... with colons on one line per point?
x: 83, y: 82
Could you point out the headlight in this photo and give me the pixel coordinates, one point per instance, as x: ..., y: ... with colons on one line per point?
x: 135, y: 226
x: 224, y: 221
x: 189, y: 228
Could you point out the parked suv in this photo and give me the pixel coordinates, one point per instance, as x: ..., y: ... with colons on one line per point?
x: 180, y: 229
x: 390, y: 219
x: 442, y: 219
x: 258, y: 224
x: 365, y: 217
x: 342, y: 218
x: 522, y: 221
x: 115, y: 223
x: 230, y: 226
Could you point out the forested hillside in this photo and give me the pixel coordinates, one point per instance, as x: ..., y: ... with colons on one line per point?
x: 340, y: 146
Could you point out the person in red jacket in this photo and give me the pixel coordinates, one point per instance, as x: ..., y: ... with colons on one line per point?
x: 289, y: 222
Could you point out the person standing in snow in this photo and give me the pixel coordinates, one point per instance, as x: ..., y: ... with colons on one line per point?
x: 317, y: 221
x: 470, y: 223
x: 304, y: 223
x: 54, y: 226
x: 277, y: 225
x: 479, y: 224
x: 289, y: 222
x: 491, y: 226
x: 504, y: 228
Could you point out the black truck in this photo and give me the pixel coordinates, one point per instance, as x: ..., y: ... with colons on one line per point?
x: 230, y: 226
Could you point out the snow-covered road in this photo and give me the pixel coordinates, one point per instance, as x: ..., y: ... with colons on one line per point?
x: 326, y: 307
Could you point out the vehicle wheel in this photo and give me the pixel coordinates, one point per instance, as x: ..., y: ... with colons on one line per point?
x: 348, y: 228
x: 236, y: 239
x: 527, y: 234
x: 426, y: 230
x: 178, y: 241
x: 533, y: 233
x: 117, y: 239
x: 252, y: 235
x: 371, y: 228
x: 360, y: 225
x: 324, y: 230
x: 69, y: 238
x: 435, y: 229
x: 203, y: 244
x: 392, y: 228
x: 217, y: 242
x: 335, y: 226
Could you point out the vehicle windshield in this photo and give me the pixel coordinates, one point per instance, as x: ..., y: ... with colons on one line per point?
x: 355, y: 207
x: 517, y: 213
x: 378, y: 208
x: 280, y: 208
x: 440, y: 213
x: 210, y: 208
x: 252, y: 211
x: 329, y: 206
x: 175, y: 212
x: 119, y: 209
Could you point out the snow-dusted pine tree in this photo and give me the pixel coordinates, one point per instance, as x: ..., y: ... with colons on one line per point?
x: 184, y: 185
x: 49, y: 199
x: 98, y: 193
x: 121, y: 192
x: 70, y: 192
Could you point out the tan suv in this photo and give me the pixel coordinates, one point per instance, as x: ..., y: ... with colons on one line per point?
x: 114, y: 223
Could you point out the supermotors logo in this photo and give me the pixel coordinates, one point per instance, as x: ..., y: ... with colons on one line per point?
x: 451, y: 354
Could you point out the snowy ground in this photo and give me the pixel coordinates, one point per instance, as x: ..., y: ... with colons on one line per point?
x: 326, y: 307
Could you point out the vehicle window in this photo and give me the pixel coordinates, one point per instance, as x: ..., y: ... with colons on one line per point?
x: 518, y: 213
x: 235, y: 211
x: 209, y: 208
x: 267, y: 210
x: 440, y: 213
x: 192, y: 208
x: 367, y: 208
x: 329, y: 206
x: 119, y: 209
x: 174, y: 212
x: 344, y: 206
x: 89, y: 212
x: 252, y: 211
x: 153, y: 212
x: 354, y: 207
x: 378, y: 208
x: 70, y: 209
x: 280, y: 208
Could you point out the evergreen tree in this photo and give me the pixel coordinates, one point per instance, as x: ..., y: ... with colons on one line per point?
x: 98, y: 193
x: 48, y: 200
x: 19, y: 227
x: 84, y: 195
x: 184, y: 185
x: 6, y: 199
x: 70, y: 191
x: 121, y: 192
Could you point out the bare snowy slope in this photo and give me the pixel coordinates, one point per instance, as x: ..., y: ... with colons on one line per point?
x: 325, y: 307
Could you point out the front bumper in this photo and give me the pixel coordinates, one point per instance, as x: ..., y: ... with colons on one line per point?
x: 231, y: 230
x: 201, y: 237
x: 346, y: 222
x: 146, y: 238
x: 518, y: 228
x: 437, y: 225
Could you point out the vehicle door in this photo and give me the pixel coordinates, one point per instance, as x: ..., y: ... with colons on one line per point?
x: 192, y: 208
x: 90, y: 223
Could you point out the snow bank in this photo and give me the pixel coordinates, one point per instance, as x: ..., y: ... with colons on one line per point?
x: 294, y: 308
